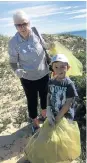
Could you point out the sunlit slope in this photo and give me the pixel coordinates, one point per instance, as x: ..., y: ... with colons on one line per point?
x: 76, y: 66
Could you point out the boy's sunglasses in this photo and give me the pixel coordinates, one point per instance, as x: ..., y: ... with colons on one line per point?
x: 21, y: 25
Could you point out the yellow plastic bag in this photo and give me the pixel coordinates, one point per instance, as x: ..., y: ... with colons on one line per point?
x: 57, y: 144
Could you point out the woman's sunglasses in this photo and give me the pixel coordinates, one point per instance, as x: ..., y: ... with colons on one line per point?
x: 21, y: 25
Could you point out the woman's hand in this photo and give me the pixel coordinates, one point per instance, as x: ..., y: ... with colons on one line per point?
x: 20, y: 73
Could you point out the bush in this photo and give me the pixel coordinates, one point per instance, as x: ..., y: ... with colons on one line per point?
x: 80, y: 116
x: 82, y: 57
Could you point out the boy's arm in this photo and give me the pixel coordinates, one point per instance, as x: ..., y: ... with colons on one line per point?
x: 50, y: 115
x: 49, y: 107
x: 65, y: 108
x: 70, y: 97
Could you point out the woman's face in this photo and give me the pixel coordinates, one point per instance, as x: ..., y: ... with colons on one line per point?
x: 23, y: 27
x: 60, y: 69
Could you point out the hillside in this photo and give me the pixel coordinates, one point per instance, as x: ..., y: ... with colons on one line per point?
x: 13, y: 107
x: 75, y: 44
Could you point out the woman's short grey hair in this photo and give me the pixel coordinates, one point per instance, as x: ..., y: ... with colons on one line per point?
x: 20, y: 15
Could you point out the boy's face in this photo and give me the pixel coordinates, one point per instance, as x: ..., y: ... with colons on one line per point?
x: 60, y: 68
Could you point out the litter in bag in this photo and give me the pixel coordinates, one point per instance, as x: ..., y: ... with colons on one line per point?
x: 57, y: 144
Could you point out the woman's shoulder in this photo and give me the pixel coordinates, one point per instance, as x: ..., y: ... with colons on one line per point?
x: 13, y: 40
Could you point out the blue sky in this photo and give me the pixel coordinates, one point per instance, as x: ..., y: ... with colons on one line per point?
x: 47, y: 16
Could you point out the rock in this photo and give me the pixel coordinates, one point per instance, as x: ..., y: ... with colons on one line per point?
x: 0, y: 121
x: 23, y: 124
x: 1, y: 125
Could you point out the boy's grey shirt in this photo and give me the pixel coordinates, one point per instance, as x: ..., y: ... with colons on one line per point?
x: 59, y: 92
x: 30, y: 55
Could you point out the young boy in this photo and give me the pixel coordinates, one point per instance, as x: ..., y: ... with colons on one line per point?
x: 62, y: 92
x: 59, y: 138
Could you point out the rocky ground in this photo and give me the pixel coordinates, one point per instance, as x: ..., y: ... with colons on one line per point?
x: 14, y: 128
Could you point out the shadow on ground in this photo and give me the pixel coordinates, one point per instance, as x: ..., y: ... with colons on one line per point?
x: 13, y: 145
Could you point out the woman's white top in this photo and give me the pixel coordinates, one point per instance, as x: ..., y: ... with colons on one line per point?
x: 30, y: 56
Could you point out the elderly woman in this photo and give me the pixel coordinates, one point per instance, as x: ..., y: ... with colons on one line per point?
x: 28, y: 60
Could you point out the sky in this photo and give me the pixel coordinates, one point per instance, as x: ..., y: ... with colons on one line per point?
x: 47, y: 16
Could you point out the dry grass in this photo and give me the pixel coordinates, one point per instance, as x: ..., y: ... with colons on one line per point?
x: 12, y: 97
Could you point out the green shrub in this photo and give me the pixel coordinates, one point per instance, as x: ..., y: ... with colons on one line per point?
x: 80, y: 116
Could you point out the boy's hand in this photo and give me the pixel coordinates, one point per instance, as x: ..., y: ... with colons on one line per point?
x: 57, y: 118
x: 50, y: 116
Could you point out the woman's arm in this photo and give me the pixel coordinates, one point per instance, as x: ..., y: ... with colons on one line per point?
x: 13, y: 66
x: 13, y: 55
x: 14, y: 60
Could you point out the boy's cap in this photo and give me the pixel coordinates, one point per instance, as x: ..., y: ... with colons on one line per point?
x: 59, y: 57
